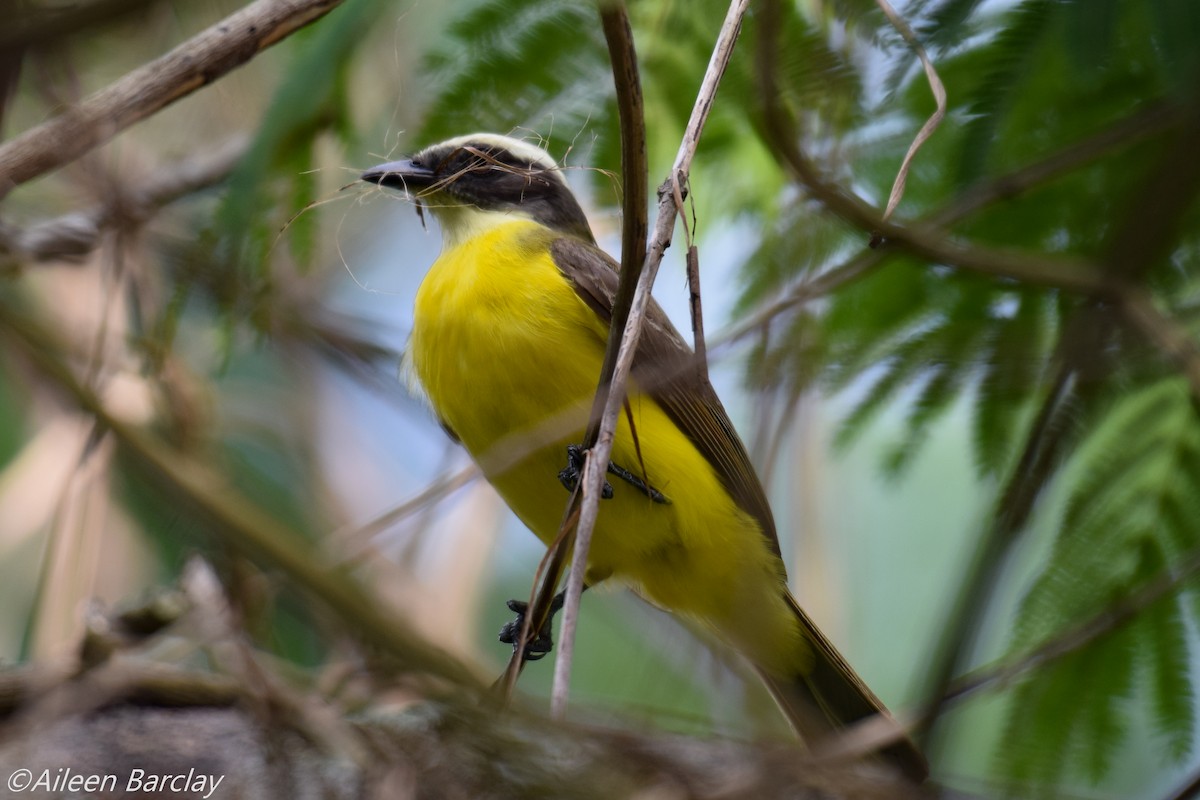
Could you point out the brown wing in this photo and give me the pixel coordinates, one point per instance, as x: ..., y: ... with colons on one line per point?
x: 665, y: 368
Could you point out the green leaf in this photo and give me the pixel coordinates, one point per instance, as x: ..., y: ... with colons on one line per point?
x: 1134, y: 488
x: 1011, y: 57
x: 1014, y: 360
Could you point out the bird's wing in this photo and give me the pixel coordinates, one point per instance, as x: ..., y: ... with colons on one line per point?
x: 665, y: 368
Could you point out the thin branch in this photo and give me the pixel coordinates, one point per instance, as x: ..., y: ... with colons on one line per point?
x: 1189, y: 790
x: 618, y: 34
x: 931, y: 124
x: 149, y: 88
x: 631, y: 114
x: 700, y: 348
x: 356, y: 543
x: 1137, y: 127
x: 1082, y: 635
x: 74, y: 235
x: 1039, y: 455
x: 1173, y: 339
x: 697, y: 309
x: 598, y: 456
x: 922, y: 240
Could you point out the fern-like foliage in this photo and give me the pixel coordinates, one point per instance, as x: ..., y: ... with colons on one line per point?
x: 525, y: 67
x: 1135, y: 499
x: 1035, y: 85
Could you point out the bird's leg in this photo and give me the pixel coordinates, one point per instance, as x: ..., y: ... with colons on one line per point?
x: 543, y: 642
x: 641, y: 485
x: 569, y: 476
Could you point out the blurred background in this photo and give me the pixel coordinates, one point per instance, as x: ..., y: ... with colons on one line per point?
x: 965, y: 467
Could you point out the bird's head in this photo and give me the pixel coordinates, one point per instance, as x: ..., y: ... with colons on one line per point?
x: 474, y: 182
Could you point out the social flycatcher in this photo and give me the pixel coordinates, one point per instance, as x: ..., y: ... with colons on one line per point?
x: 508, y: 336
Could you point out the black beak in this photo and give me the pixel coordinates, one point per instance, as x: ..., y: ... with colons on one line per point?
x: 403, y: 174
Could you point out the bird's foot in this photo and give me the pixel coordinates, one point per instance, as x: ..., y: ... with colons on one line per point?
x: 541, y: 644
x: 569, y: 476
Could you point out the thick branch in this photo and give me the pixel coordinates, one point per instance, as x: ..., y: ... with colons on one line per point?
x: 194, y: 64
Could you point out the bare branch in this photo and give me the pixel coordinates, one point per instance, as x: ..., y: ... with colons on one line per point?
x: 927, y: 242
x: 1080, y: 636
x: 619, y: 36
x: 1135, y: 128
x: 149, y: 88
x: 76, y: 234
x: 598, y: 456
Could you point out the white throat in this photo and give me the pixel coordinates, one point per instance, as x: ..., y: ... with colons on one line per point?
x: 460, y: 223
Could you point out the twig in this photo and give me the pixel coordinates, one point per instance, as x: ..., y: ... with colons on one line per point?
x: 931, y: 124
x: 1094, y: 628
x: 356, y: 543
x: 929, y: 243
x: 1189, y: 790
x: 618, y: 34
x: 76, y: 234
x: 1028, y: 475
x: 1153, y: 120
x: 693, y: 279
x: 598, y: 456
x: 194, y: 64
x: 1161, y: 330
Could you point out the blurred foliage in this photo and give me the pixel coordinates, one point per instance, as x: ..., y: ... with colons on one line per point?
x: 1102, y: 87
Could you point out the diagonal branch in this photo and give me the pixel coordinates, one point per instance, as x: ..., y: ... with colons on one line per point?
x: 619, y: 35
x: 1135, y: 128
x: 598, y: 456
x: 74, y: 235
x: 925, y: 241
x: 190, y: 66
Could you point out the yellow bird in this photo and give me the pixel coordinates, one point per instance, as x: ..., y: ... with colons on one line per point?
x: 508, y: 336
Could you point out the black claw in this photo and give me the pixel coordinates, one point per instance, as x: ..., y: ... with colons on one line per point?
x: 569, y: 475
x: 539, y: 646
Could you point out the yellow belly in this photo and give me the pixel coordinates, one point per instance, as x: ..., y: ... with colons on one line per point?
x: 509, y: 357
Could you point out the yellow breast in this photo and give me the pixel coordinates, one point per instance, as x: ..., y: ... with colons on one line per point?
x: 509, y: 357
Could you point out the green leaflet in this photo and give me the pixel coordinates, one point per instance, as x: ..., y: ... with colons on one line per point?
x: 1134, y: 484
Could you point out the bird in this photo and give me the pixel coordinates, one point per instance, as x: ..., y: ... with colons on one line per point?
x: 508, y: 335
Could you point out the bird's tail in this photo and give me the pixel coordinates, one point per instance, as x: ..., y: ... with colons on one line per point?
x: 829, y: 696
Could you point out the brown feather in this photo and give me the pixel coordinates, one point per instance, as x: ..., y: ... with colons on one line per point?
x: 664, y: 368
x: 830, y: 694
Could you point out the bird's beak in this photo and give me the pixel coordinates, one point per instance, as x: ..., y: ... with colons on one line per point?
x: 401, y: 175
